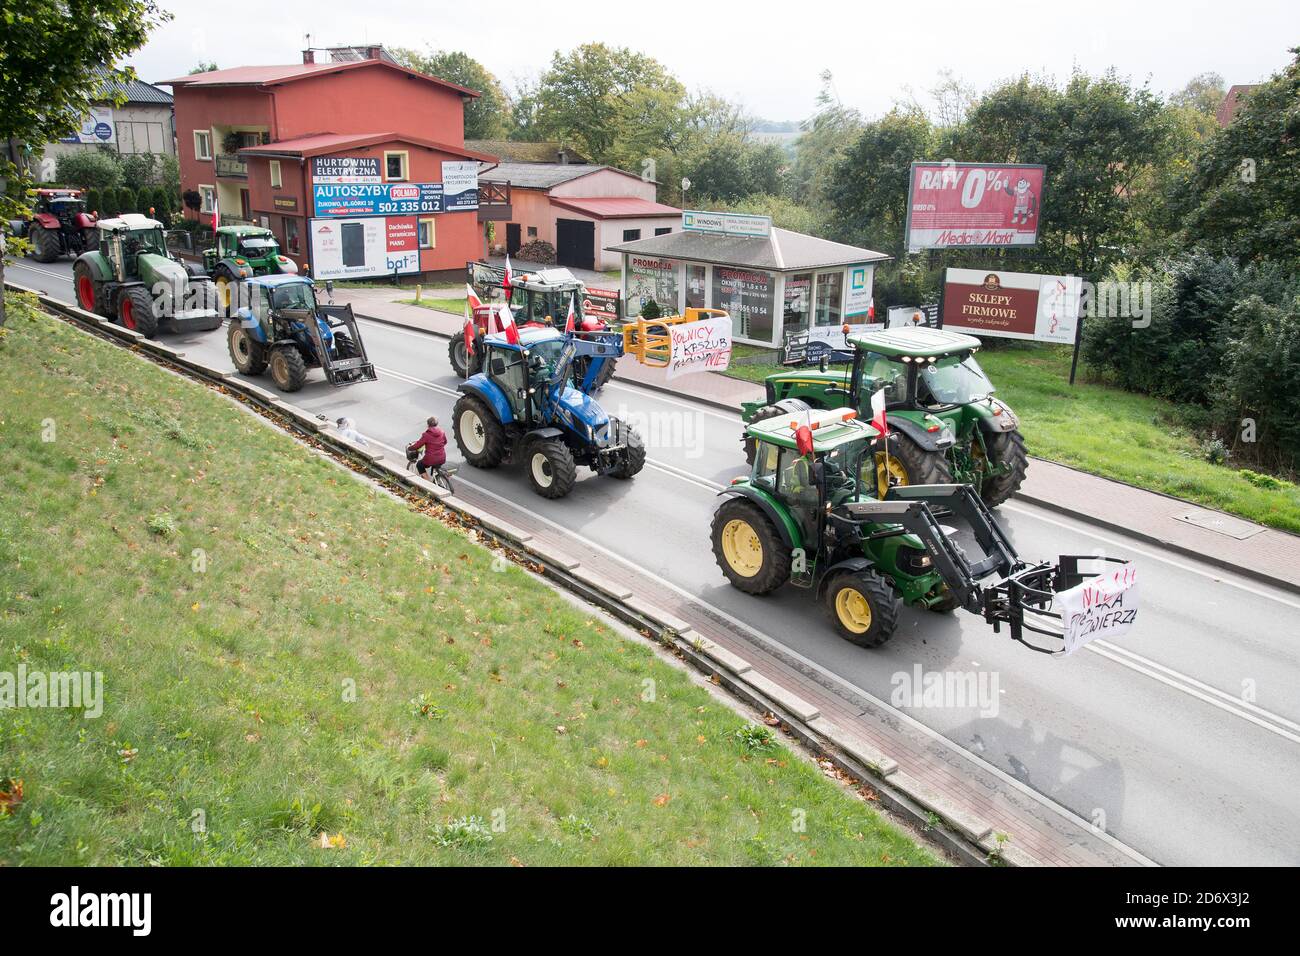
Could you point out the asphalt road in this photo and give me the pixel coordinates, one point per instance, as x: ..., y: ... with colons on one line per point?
x: 1182, y: 740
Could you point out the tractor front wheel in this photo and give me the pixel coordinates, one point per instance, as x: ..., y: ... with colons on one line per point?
x: 479, y: 435
x: 786, y: 407
x: 863, y: 606
x: 748, y: 548
x: 45, y: 244
x: 135, y: 311
x: 248, y: 355
x: 288, y: 369
x: 551, y: 469
x: 632, y: 458
x: 224, y: 285
x: 1005, y: 448
x: 909, y: 464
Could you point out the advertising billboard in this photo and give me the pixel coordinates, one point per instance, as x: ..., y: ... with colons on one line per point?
x: 460, y: 186
x: 857, y: 296
x: 357, y: 248
x: 972, y: 205
x: 1013, y: 305
x: 376, y: 199
x: 96, y: 127
x: 345, y: 169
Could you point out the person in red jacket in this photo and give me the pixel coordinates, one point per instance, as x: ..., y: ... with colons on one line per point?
x: 434, y: 443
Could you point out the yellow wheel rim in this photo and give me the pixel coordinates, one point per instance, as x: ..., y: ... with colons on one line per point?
x: 223, y: 293
x: 888, y: 476
x: 853, y: 610
x: 741, y: 548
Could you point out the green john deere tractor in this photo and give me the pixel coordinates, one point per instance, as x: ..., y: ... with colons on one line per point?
x: 944, y: 423
x: 131, y: 278
x: 242, y: 252
x: 809, y: 514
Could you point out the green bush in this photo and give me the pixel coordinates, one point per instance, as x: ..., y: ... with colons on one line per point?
x: 88, y: 168
x: 651, y: 310
x: 94, y: 200
x: 126, y: 200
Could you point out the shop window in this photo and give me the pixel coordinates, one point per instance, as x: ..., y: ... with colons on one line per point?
x: 209, y: 197
x: 697, y: 290
x: 630, y: 235
x: 830, y: 288
x: 663, y: 231
x: 203, y: 144
x: 798, y: 301
x: 395, y: 166
x: 428, y: 236
x: 747, y: 296
x: 291, y: 242
x: 276, y: 181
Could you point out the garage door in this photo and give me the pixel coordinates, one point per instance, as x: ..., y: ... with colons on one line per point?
x: 575, y: 243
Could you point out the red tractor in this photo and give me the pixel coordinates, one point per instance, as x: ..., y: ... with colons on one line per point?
x: 60, y: 225
x: 538, y: 299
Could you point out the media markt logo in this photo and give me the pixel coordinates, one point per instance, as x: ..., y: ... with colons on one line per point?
x: 74, y: 908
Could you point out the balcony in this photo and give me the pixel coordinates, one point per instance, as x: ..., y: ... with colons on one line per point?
x: 494, y: 202
x: 231, y: 167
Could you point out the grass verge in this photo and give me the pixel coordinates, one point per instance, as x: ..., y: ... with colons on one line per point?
x: 298, y: 669
x: 1113, y: 433
x: 442, y: 305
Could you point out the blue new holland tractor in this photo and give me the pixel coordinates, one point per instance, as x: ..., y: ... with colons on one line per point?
x: 523, y: 406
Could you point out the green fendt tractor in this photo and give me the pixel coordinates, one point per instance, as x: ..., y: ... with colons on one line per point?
x: 132, y: 278
x: 809, y: 514
x: 944, y: 423
x: 242, y: 252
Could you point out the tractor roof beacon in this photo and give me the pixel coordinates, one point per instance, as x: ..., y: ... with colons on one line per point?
x: 812, y: 517
x: 131, y: 276
x: 945, y: 423
x: 284, y: 328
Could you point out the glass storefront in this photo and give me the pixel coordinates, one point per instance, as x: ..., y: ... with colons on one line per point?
x: 798, y: 302
x: 697, y: 292
x: 649, y: 278
x: 748, y: 297
x: 830, y: 288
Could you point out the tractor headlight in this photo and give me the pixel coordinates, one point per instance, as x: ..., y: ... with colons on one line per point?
x: 914, y: 561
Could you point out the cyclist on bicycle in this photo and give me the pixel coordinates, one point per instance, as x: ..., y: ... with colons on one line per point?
x: 434, y: 443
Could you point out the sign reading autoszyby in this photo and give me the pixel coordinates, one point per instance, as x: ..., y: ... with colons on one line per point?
x: 727, y: 223
x: 1013, y: 305
x: 370, y: 246
x: 703, y: 346
x: 973, y: 204
x: 377, y: 199
x: 1104, y: 607
x: 345, y: 169
x: 460, y: 186
x: 96, y: 127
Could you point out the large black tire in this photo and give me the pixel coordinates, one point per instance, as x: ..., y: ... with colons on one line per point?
x: 480, y: 436
x: 135, y: 311
x: 602, y: 377
x: 551, y: 468
x: 90, y: 294
x: 633, y: 457
x: 462, y: 363
x: 227, y: 293
x: 344, y: 347
x: 910, y: 464
x: 864, y: 607
x: 748, y: 548
x: 1005, y: 448
x: 90, y: 239
x: 783, y: 407
x: 247, y: 354
x: 288, y: 368
x: 45, y: 244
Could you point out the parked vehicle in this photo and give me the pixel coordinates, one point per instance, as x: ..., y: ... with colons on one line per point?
x: 131, y: 277
x: 284, y: 329
x: 945, y: 423
x: 60, y: 225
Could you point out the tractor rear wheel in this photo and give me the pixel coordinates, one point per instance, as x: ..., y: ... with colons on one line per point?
x: 479, y: 435
x: 551, y: 468
x: 89, y: 295
x: 784, y: 407
x: 135, y: 311
x: 248, y: 355
x: 224, y: 286
x: 909, y: 464
x: 632, y: 458
x: 288, y: 369
x: 863, y: 606
x: 90, y: 239
x: 1005, y: 448
x: 748, y: 548
x: 462, y: 363
x: 45, y: 244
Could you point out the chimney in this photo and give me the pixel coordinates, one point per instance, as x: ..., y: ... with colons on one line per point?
x: 374, y: 52
x: 308, y: 56
x: 563, y: 157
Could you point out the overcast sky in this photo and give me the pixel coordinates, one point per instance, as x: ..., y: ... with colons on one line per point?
x: 768, y: 55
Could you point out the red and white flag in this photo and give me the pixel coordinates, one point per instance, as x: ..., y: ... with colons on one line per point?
x: 572, y: 321
x: 508, y: 326
x: 216, y: 215
x: 472, y: 301
x: 878, y: 411
x: 505, y: 283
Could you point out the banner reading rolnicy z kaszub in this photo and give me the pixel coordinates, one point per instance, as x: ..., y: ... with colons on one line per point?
x: 972, y: 205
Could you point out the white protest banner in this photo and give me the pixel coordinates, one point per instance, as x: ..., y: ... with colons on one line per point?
x: 703, y: 346
x: 1103, y: 607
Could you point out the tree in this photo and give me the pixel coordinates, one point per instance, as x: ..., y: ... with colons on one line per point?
x: 1203, y: 93
x: 204, y: 68
x: 89, y: 168
x: 953, y: 100
x: 488, y: 116
x: 831, y: 130
x: 50, y: 51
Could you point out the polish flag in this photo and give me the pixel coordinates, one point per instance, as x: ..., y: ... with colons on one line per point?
x: 469, y: 336
x: 472, y: 301
x: 216, y: 215
x: 878, y: 411
x: 505, y: 283
x: 508, y: 326
x: 572, y: 321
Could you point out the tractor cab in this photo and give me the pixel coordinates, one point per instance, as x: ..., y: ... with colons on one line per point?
x: 125, y: 239
x: 64, y: 204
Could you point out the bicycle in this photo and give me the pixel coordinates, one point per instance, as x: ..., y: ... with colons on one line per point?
x: 440, y: 475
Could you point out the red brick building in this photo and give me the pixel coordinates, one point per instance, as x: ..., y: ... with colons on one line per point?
x: 344, y: 161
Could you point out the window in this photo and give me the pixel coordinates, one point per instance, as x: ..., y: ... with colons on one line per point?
x: 276, y: 181
x: 209, y: 198
x: 395, y: 166
x: 696, y: 286
x: 630, y: 235
x: 428, y: 235
x: 291, y: 235
x: 203, y: 144
x: 532, y: 232
x: 829, y: 287
x: 798, y: 300
x: 663, y: 231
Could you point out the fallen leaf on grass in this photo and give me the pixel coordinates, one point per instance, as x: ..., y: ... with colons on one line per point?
x: 662, y: 800
x: 11, y: 798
